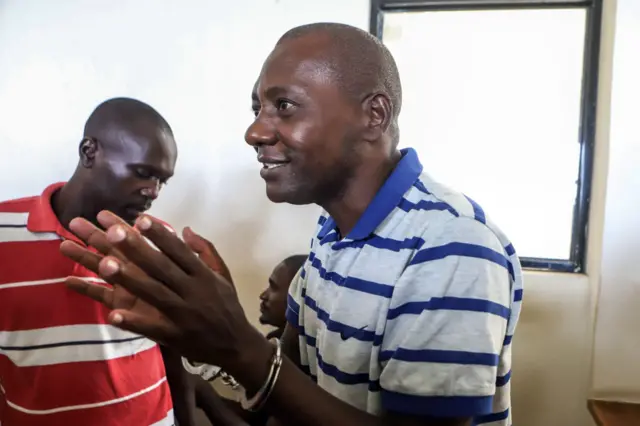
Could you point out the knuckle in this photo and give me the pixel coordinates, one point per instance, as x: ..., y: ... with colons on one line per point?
x: 87, y: 260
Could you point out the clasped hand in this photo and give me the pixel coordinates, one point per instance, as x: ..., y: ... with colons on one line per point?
x: 180, y: 295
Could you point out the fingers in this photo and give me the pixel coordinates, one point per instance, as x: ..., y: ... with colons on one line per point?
x: 206, y: 252
x: 108, y: 219
x: 92, y: 236
x: 196, y: 243
x: 132, y: 278
x: 81, y: 255
x: 169, y: 243
x: 82, y: 228
x: 153, y: 262
x: 155, y: 328
x: 97, y: 292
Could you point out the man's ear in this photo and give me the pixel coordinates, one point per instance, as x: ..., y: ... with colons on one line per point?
x: 87, y: 150
x: 379, y: 115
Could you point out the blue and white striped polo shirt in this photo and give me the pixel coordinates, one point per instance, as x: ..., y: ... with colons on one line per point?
x: 414, y: 310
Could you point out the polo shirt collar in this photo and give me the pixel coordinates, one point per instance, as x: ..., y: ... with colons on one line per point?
x: 405, y: 174
x: 42, y: 217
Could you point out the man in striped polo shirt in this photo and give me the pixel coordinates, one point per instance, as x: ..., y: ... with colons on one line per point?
x: 61, y: 363
x: 424, y: 291
x: 405, y: 310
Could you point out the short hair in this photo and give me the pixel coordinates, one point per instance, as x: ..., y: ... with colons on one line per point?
x: 122, y: 111
x: 362, y: 63
x: 295, y: 262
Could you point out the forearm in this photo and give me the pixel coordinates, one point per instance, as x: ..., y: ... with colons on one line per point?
x: 259, y: 418
x: 217, y: 410
x: 182, y: 390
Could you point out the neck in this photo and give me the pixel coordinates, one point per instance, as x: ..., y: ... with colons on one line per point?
x: 69, y: 203
x: 354, y: 199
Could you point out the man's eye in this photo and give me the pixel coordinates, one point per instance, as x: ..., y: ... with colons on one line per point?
x: 256, y: 110
x: 143, y: 174
x: 284, y: 105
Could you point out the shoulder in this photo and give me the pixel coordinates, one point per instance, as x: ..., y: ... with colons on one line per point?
x: 18, y: 205
x: 14, y: 215
x: 461, y: 252
x: 26, y: 204
x: 465, y: 222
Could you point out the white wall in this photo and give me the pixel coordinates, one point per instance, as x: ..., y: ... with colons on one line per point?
x: 196, y: 61
x: 616, y: 374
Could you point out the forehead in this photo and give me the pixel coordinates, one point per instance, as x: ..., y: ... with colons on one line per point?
x: 282, y: 275
x: 298, y: 65
x: 143, y: 144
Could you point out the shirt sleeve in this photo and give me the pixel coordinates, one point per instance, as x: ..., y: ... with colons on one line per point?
x: 447, y: 323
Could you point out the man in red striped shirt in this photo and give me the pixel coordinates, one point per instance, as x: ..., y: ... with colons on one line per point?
x: 61, y: 363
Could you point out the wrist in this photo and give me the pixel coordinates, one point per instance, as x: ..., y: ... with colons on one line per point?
x: 252, y: 361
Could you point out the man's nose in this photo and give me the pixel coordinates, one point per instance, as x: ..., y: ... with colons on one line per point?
x: 260, y: 132
x: 152, y: 190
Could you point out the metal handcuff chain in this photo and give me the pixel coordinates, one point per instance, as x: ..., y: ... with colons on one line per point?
x: 210, y: 373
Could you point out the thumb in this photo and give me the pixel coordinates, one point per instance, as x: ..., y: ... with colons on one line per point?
x: 156, y: 329
x: 207, y: 253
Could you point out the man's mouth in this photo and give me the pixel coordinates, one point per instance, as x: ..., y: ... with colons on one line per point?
x: 139, y: 208
x: 270, y: 166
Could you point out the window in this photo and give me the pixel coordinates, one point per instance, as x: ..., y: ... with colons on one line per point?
x: 499, y: 101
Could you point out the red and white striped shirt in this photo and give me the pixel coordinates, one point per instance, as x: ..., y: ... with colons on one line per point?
x: 60, y: 362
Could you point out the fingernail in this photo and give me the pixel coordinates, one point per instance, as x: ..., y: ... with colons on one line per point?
x: 144, y: 223
x: 116, y: 319
x: 118, y: 234
x: 111, y: 267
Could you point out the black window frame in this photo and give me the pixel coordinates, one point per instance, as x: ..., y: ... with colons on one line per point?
x: 588, y: 103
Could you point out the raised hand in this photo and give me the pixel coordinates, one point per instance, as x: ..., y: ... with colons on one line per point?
x: 207, y: 253
x: 170, y: 295
x: 116, y: 296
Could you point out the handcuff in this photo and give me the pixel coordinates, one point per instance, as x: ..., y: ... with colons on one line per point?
x: 209, y: 373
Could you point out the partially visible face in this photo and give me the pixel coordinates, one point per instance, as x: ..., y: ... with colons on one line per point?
x: 129, y: 174
x: 273, y: 300
x: 306, y: 129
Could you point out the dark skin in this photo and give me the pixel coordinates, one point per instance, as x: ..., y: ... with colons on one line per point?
x: 273, y: 308
x: 273, y: 300
x: 122, y: 167
x: 218, y: 410
x: 335, y: 152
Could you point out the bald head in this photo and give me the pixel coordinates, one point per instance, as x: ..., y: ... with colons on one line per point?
x: 326, y: 112
x: 123, y: 113
x: 127, y: 154
x: 360, y: 63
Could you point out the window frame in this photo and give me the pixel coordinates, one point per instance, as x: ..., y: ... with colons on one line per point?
x: 588, y: 103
